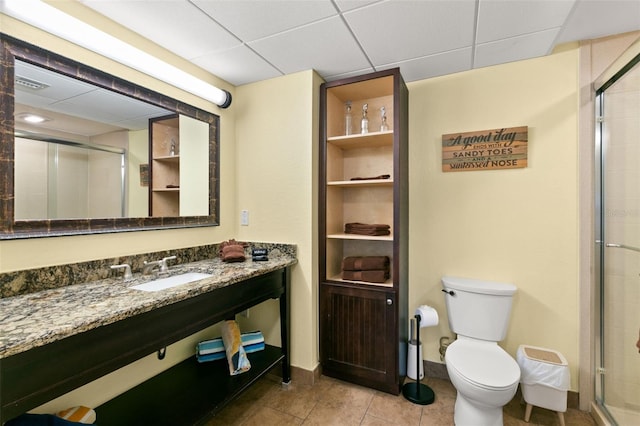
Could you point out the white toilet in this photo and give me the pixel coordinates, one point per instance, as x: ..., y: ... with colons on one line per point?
x: 485, y: 376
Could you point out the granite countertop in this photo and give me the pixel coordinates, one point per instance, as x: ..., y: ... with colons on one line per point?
x: 36, y: 319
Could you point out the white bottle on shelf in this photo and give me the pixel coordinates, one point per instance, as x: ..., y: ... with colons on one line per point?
x: 364, y: 123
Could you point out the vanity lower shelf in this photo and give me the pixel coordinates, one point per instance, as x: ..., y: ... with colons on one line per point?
x: 189, y: 393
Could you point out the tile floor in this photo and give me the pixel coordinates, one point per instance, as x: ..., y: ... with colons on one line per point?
x: 334, y: 402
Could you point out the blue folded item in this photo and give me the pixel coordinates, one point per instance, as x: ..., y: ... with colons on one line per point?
x: 212, y: 350
x: 221, y: 355
x: 40, y: 420
x: 215, y: 345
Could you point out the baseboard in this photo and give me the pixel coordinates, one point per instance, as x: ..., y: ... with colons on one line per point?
x: 298, y: 375
x: 305, y: 377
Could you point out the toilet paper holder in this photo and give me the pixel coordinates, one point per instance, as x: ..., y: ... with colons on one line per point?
x: 416, y: 392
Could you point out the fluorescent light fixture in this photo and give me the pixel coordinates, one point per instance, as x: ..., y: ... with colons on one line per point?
x: 54, y: 21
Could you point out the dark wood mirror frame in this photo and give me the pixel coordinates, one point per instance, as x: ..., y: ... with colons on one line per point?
x: 12, y: 49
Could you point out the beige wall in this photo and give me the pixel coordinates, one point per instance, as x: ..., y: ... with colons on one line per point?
x: 276, y: 140
x: 517, y: 225
x: 137, y: 154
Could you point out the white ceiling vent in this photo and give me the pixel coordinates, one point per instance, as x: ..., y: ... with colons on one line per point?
x: 30, y: 84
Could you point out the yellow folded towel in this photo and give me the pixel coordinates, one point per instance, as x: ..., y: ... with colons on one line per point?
x: 79, y: 414
x: 236, y: 355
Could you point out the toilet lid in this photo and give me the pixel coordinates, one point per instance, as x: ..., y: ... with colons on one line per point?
x: 484, y: 364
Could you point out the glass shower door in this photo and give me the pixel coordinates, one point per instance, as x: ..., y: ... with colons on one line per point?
x: 618, y: 202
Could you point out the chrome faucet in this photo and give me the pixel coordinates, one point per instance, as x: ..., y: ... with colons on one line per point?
x: 127, y: 270
x: 150, y: 266
x: 161, y: 264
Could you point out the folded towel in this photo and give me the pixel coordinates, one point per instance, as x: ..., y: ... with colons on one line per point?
x: 233, y: 254
x: 236, y: 355
x: 80, y: 414
x: 367, y: 276
x: 232, y: 251
x: 367, y: 229
x: 358, y: 225
x: 365, y: 263
x: 215, y: 345
x: 215, y: 356
x: 371, y: 177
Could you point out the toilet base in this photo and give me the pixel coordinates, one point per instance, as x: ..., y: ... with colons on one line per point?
x: 468, y: 413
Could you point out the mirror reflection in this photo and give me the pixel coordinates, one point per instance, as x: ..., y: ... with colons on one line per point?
x: 82, y: 152
x: 98, y: 158
x: 56, y: 179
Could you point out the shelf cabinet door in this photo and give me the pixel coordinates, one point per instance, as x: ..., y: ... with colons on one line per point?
x: 358, y: 336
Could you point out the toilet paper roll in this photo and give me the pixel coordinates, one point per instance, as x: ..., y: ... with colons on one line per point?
x: 428, y: 316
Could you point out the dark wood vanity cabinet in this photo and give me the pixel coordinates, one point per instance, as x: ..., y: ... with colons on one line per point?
x: 188, y: 393
x: 364, y: 179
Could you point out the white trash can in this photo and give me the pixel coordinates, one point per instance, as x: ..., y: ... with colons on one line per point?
x: 544, y: 379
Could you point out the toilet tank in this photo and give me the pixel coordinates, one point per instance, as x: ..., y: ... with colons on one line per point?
x: 478, y: 309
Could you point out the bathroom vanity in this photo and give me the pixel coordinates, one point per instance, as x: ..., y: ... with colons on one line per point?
x: 53, y: 341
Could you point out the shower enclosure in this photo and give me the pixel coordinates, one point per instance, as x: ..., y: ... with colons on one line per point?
x: 617, y: 383
x: 58, y: 179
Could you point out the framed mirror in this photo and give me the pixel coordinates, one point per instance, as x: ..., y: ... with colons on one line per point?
x: 107, y: 155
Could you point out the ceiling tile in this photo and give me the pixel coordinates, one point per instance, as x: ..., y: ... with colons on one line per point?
x: 514, y: 48
x: 345, y: 5
x: 58, y: 86
x: 237, y: 66
x: 254, y: 19
x: 326, y: 46
x: 178, y: 26
x: 250, y: 40
x: 593, y: 19
x: 499, y: 19
x: 399, y: 30
x: 435, y: 65
x: 353, y: 73
x: 104, y: 106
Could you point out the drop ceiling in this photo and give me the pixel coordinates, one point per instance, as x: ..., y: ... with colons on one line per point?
x: 244, y: 41
x: 76, y: 107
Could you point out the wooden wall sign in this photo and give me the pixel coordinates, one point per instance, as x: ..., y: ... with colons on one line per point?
x: 485, y: 150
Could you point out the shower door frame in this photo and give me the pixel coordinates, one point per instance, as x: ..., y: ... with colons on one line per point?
x: 600, y: 233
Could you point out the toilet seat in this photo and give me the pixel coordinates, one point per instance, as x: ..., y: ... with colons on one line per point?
x: 483, y: 364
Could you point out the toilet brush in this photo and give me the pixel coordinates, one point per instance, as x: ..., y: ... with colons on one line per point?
x: 417, y: 392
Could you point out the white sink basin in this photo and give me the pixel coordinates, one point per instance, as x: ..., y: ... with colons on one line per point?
x: 176, y: 280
